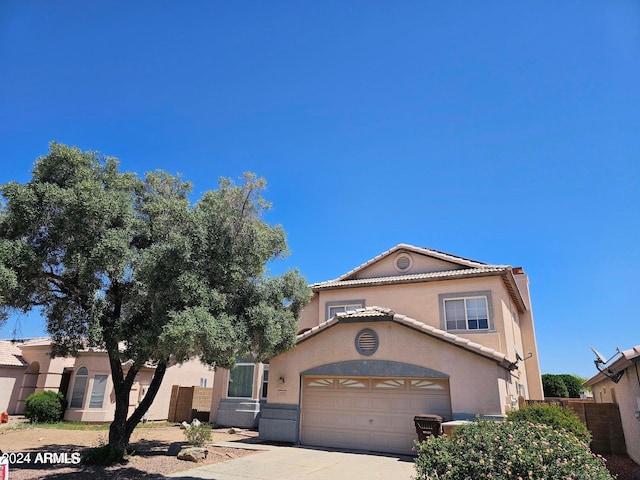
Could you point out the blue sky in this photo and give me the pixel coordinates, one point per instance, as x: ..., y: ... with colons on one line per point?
x: 507, y: 133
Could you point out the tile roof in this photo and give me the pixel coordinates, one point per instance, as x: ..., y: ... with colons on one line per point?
x: 633, y: 352
x: 465, y: 262
x: 37, y: 342
x: 625, y: 359
x: 11, y: 355
x: 441, y: 335
x: 462, y: 273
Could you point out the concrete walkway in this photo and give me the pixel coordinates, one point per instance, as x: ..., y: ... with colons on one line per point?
x: 288, y: 463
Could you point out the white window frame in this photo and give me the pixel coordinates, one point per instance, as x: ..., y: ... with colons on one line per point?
x: 75, y: 392
x: 253, y: 378
x: 94, y: 396
x: 203, y: 382
x: 342, y: 306
x: 486, y: 295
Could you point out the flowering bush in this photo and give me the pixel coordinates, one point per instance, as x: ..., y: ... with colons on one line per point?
x: 554, y: 416
x: 508, y: 451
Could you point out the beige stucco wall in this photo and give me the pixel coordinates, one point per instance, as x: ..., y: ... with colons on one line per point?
x: 96, y: 364
x: 186, y: 374
x: 310, y: 316
x: 420, y: 264
x: 11, y: 379
x: 475, y: 382
x: 627, y: 396
x: 47, y: 373
x: 529, y: 343
x: 417, y: 300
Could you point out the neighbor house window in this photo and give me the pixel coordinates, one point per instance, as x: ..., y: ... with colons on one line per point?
x: 333, y: 308
x: 466, y: 312
x: 241, y: 381
x: 203, y: 382
x: 97, y: 391
x: 79, y: 387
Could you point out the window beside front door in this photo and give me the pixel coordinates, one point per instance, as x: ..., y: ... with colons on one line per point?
x: 469, y: 312
x: 79, y: 387
x: 265, y: 381
x: 97, y: 391
x: 241, y: 381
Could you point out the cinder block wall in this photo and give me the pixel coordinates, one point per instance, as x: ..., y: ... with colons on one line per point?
x: 603, y: 420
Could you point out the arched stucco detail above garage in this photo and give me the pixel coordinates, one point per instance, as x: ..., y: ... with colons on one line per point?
x: 374, y: 368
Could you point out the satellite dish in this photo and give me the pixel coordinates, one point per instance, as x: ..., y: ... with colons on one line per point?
x: 607, y: 372
x: 599, y: 356
x: 518, y: 356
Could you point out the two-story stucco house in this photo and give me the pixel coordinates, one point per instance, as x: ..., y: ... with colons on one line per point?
x: 411, y: 331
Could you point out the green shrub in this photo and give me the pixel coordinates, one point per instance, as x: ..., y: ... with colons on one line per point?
x: 508, y: 451
x: 45, y: 407
x: 554, y: 416
x: 198, y: 434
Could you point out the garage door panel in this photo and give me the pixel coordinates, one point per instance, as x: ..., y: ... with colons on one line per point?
x: 343, y: 401
x: 320, y: 436
x: 323, y: 401
x: 400, y: 423
x: 344, y: 414
x: 362, y: 421
x: 321, y: 420
x: 383, y: 404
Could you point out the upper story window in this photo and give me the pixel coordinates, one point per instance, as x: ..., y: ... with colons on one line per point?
x: 466, y: 312
x: 332, y: 308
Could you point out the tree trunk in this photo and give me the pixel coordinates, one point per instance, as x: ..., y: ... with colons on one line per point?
x: 121, y: 428
x: 148, y: 399
x: 118, y: 438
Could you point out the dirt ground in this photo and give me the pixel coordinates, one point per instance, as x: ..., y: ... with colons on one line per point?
x: 150, y: 459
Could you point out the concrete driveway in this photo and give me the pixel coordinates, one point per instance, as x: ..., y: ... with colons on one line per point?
x: 283, y: 463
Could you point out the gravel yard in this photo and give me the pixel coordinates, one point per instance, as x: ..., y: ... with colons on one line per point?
x: 150, y: 459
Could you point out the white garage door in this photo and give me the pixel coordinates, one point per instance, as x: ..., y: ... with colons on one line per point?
x: 369, y: 413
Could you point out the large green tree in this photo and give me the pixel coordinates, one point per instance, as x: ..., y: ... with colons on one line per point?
x: 554, y: 386
x: 562, y: 385
x: 130, y: 265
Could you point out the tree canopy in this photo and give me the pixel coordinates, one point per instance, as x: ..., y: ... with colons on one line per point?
x: 562, y: 385
x: 130, y: 265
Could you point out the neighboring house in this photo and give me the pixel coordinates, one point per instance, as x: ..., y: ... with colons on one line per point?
x: 411, y: 331
x: 625, y: 393
x: 26, y: 367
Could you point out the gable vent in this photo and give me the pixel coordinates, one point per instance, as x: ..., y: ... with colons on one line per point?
x: 367, y: 342
x: 403, y: 262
